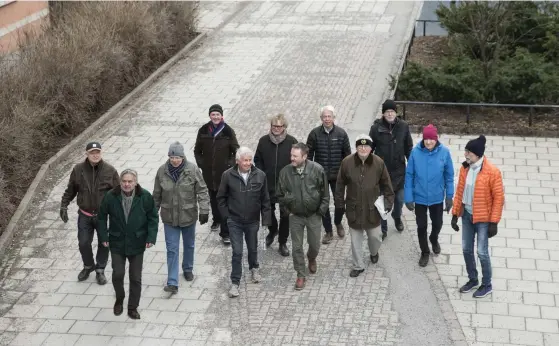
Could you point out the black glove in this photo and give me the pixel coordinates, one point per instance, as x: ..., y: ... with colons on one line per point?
x: 410, y: 206
x: 448, y: 204
x: 454, y: 223
x: 203, y: 218
x: 491, y: 230
x: 64, y: 214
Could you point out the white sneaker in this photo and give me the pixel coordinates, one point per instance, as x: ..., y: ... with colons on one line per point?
x: 255, y: 275
x: 234, y: 291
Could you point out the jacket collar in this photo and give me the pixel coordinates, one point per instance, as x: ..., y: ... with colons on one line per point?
x: 368, y: 160
x: 384, y: 126
x: 235, y: 170
x: 324, y: 129
x: 117, y: 190
x: 226, y: 129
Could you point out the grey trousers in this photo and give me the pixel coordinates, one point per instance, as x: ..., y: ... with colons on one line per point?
x: 297, y: 226
x: 374, y: 239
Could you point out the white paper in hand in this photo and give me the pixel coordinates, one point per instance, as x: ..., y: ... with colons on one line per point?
x: 379, y: 203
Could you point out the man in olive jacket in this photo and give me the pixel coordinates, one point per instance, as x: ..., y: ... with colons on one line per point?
x: 303, y: 191
x: 132, y: 228
x: 365, y: 177
x: 89, y: 180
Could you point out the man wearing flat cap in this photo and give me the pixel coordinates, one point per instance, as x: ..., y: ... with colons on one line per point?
x: 482, y: 182
x: 214, y: 150
x: 89, y: 181
x: 362, y: 178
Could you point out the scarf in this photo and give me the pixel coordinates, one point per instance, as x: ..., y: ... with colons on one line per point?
x: 277, y: 139
x: 215, y: 130
x: 175, y: 172
x: 127, y: 204
x: 470, y: 184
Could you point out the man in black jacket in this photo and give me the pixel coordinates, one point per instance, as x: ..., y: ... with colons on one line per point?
x: 242, y: 198
x: 272, y: 154
x: 328, y: 146
x: 392, y: 141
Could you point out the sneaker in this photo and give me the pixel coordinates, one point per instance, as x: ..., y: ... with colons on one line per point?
x: 470, y: 285
x: 436, y: 248
x: 84, y: 274
x: 300, y: 284
x: 255, y: 275
x: 340, y: 230
x: 355, y: 272
x: 226, y: 240
x: 424, y: 259
x: 215, y: 226
x: 101, y: 279
x: 171, y: 289
x: 234, y: 291
x: 483, y: 291
x: 374, y: 258
x: 188, y: 276
x: 399, y: 224
x: 283, y: 250
x: 328, y: 237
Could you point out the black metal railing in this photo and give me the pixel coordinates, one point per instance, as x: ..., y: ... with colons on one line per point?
x: 469, y: 106
x: 424, y: 24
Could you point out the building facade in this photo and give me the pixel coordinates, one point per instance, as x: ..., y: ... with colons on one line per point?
x: 18, y: 18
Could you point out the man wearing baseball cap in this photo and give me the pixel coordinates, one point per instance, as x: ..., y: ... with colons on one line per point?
x: 89, y: 181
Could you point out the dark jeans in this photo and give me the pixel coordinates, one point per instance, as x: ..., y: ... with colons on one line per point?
x: 436, y: 215
x: 396, y: 211
x: 135, y: 276
x: 224, y: 229
x: 326, y: 219
x: 283, y: 225
x: 250, y: 231
x: 87, y: 226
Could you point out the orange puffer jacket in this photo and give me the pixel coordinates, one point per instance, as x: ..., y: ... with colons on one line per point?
x: 489, y: 197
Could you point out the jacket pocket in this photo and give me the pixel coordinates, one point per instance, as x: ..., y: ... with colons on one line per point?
x: 351, y: 213
x: 373, y: 215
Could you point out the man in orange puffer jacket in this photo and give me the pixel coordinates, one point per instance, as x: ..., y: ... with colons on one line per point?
x: 479, y: 200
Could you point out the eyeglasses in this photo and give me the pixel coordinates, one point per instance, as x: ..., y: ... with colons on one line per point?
x: 277, y: 126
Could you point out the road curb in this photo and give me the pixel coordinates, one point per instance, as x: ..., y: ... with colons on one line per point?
x: 114, y: 112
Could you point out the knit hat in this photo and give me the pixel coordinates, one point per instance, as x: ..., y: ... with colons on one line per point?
x: 363, y: 139
x: 388, y: 104
x: 430, y: 132
x: 477, y: 146
x: 176, y: 149
x: 216, y: 108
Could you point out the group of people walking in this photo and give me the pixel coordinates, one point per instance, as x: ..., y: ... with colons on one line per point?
x: 244, y: 189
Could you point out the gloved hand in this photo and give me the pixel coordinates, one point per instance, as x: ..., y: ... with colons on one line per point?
x: 448, y: 204
x: 64, y: 214
x: 491, y: 230
x: 410, y: 206
x: 203, y: 218
x: 454, y: 223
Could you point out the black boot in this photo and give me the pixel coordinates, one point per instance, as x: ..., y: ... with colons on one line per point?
x: 270, y: 239
x: 399, y: 224
x: 424, y: 259
x: 283, y: 250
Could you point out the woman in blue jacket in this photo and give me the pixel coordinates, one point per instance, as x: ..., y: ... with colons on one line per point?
x: 429, y: 183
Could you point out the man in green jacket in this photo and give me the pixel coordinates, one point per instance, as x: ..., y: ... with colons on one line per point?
x: 132, y: 228
x: 303, y: 191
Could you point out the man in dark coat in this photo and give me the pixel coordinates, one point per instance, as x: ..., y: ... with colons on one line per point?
x: 272, y: 154
x: 132, y: 228
x: 328, y: 146
x: 393, y: 143
x: 214, y: 151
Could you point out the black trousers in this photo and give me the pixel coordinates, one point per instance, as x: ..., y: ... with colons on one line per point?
x: 87, y: 226
x: 436, y: 215
x: 283, y: 233
x: 326, y: 219
x: 135, y: 275
x: 224, y: 229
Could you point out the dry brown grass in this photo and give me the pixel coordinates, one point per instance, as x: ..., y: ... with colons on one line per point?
x: 93, y: 55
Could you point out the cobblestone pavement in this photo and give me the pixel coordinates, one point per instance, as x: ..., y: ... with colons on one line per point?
x: 292, y: 57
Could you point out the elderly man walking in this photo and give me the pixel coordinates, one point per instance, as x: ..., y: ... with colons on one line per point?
x: 214, y: 150
x: 243, y: 198
x: 132, y: 228
x: 272, y: 154
x: 482, y: 182
x: 90, y: 180
x: 393, y: 143
x: 303, y: 191
x: 363, y: 177
x: 328, y: 145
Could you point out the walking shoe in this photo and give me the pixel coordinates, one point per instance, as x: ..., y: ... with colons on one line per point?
x: 436, y: 248
x: 424, y: 259
x: 312, y: 265
x: 101, y: 279
x: 300, y: 284
x: 283, y: 250
x: 355, y: 272
x: 470, y: 285
x: 374, y: 258
x: 483, y: 291
x: 234, y: 291
x: 117, y: 309
x: 171, y: 289
x: 399, y: 224
x: 226, y: 240
x: 255, y: 275
x: 269, y: 239
x: 341, y: 231
x: 383, y: 235
x: 215, y: 226
x: 133, y: 314
x: 188, y: 276
x: 84, y: 274
x: 328, y: 237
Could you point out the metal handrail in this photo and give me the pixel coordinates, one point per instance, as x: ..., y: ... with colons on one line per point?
x: 425, y: 21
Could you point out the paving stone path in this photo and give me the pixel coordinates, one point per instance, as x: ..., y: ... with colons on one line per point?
x: 292, y: 57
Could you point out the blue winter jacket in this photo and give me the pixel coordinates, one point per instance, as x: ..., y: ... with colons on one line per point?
x: 429, y: 175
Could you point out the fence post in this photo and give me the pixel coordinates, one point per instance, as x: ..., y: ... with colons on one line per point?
x: 468, y: 115
x: 531, y: 115
x: 404, y: 112
x: 424, y: 27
